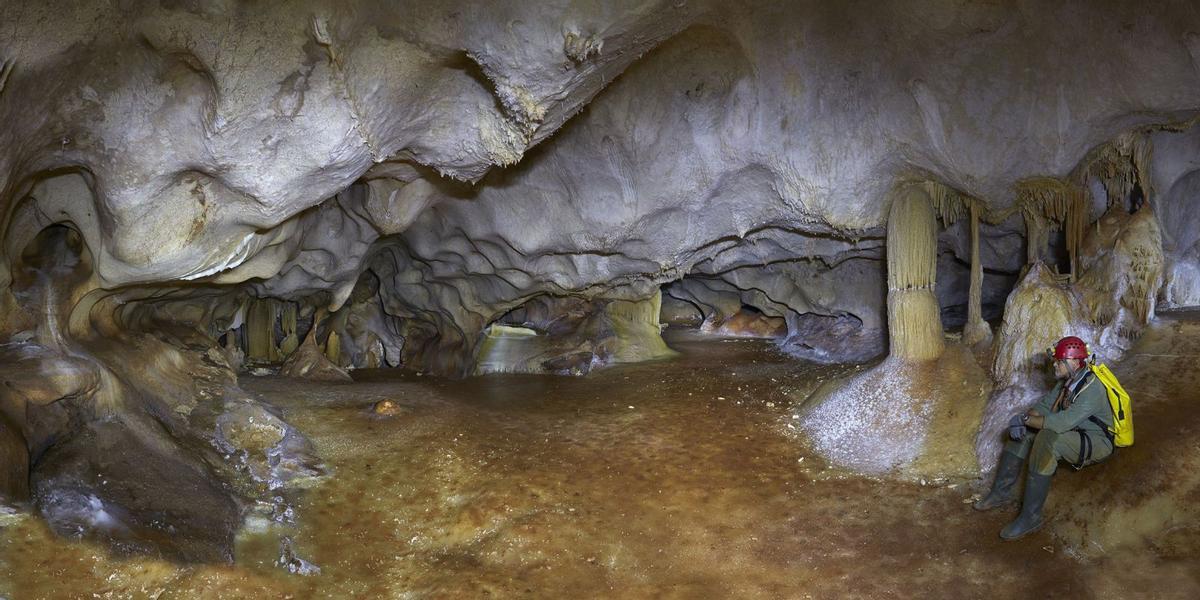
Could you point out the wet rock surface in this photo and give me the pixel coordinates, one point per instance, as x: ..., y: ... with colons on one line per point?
x: 632, y: 482
x: 106, y: 485
x: 1146, y: 495
x: 14, y: 456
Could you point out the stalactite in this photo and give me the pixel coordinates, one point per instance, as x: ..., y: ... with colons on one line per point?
x: 1076, y: 222
x: 14, y: 462
x: 638, y: 311
x: 949, y: 203
x: 914, y: 321
x: 1141, y: 155
x: 976, y: 329
x: 1047, y: 202
x: 1115, y: 171
x: 291, y: 340
x: 1120, y: 166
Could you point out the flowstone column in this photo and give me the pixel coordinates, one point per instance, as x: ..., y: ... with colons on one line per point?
x: 914, y: 415
x: 914, y: 320
x: 976, y: 330
x: 261, y: 316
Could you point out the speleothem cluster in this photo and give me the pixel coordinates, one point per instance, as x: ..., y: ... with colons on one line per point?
x: 190, y: 189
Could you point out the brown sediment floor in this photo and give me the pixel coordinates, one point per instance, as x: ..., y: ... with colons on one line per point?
x: 673, y: 479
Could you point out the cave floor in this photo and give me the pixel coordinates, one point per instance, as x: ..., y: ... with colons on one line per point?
x: 675, y: 479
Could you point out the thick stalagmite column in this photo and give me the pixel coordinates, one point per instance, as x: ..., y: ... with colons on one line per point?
x: 976, y: 330
x: 638, y: 336
x: 261, y: 316
x: 914, y: 322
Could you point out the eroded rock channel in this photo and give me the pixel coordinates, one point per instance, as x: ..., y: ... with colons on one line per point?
x: 687, y: 299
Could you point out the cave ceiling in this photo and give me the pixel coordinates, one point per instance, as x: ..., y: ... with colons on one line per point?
x: 494, y: 151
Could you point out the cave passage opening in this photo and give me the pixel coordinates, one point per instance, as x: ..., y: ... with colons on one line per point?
x: 58, y: 247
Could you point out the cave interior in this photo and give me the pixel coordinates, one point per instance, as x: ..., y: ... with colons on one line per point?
x: 264, y: 267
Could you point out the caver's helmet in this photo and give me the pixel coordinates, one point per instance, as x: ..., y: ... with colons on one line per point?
x: 1070, y: 347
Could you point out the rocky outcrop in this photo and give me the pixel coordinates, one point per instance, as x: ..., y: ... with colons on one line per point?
x: 1110, y: 303
x: 310, y: 362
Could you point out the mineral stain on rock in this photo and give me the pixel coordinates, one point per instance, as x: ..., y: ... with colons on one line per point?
x: 633, y: 482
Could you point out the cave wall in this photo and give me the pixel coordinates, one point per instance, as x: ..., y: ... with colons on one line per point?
x: 724, y: 147
x: 1175, y: 176
x: 715, y: 121
x: 211, y: 153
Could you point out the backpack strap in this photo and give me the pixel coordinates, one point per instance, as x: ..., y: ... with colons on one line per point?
x: 1088, y: 379
x: 1108, y: 434
x: 1085, y: 449
x: 1069, y: 392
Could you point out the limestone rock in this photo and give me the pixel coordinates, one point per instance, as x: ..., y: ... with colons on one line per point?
x: 1111, y: 302
x: 309, y: 362
x: 589, y: 334
x: 14, y: 462
x: 745, y: 323
x: 108, y: 484
x: 387, y: 408
x: 902, y: 419
x: 37, y: 375
x: 250, y: 428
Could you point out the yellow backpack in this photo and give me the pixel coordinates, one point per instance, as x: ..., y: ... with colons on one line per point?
x: 1122, y: 409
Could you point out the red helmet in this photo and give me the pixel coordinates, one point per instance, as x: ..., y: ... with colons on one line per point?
x: 1070, y: 347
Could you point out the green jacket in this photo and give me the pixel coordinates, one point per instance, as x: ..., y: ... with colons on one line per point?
x: 1090, y: 399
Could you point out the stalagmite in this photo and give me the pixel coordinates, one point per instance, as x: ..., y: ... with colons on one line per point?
x: 261, y: 316
x: 908, y: 415
x: 914, y: 322
x: 506, y: 349
x: 335, y: 326
x: 638, y: 335
x: 310, y: 362
x: 333, y: 347
x: 234, y: 355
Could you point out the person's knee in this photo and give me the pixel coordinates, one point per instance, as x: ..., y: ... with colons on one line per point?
x: 1045, y: 439
x: 1044, y: 456
x: 1019, y: 448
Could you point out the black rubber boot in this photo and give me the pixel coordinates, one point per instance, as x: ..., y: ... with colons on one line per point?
x: 1037, y: 487
x: 1004, y: 488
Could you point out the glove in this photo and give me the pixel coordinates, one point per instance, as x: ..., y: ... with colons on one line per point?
x: 1016, y: 428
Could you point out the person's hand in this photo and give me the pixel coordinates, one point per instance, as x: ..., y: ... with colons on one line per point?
x: 1016, y: 428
